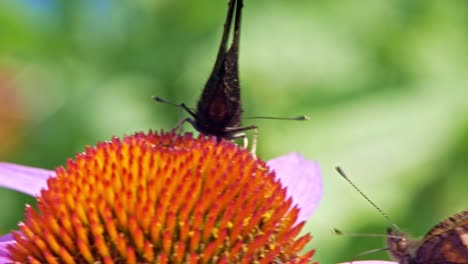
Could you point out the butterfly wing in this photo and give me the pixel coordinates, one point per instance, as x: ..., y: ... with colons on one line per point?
x: 219, y: 106
x: 446, y: 243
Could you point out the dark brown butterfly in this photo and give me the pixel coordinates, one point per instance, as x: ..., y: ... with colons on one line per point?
x: 219, y: 109
x: 446, y: 243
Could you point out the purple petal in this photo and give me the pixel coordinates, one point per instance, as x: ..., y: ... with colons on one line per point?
x: 24, y: 179
x: 6, y: 238
x: 4, y: 259
x: 302, y: 179
x: 370, y: 262
x: 4, y: 242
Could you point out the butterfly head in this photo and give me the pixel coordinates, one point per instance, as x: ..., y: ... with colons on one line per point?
x: 400, y: 247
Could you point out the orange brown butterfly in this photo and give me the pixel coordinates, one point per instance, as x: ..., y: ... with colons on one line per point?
x: 445, y: 243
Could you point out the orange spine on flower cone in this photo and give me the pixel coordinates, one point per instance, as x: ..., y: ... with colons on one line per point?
x: 162, y: 198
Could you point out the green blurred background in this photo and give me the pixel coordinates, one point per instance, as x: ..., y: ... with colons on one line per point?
x: 384, y: 82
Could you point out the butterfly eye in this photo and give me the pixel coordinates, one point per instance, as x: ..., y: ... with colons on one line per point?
x: 402, y: 243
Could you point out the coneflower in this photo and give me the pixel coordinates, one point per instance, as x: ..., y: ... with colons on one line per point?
x: 164, y: 198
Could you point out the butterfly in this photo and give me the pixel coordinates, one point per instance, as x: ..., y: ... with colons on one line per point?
x: 219, y: 108
x: 445, y: 243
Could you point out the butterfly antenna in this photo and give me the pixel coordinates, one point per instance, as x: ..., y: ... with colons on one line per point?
x: 160, y: 100
x: 297, y: 118
x: 368, y: 252
x: 181, y: 106
x: 341, y: 172
x: 338, y: 232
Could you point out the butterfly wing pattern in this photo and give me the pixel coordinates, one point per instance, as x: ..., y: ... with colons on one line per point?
x: 446, y: 243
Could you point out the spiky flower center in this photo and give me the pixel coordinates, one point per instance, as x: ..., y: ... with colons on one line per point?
x: 162, y: 198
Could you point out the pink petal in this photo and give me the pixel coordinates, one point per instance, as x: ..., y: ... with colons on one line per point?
x: 24, y: 179
x: 4, y: 260
x: 4, y: 242
x: 303, y: 181
x: 6, y: 238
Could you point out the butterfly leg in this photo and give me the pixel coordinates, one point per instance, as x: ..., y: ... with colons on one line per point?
x: 253, y: 148
x: 179, y: 127
x: 234, y: 130
x: 243, y: 136
x: 245, y: 143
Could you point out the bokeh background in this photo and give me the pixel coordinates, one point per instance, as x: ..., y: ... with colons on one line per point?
x: 385, y: 83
